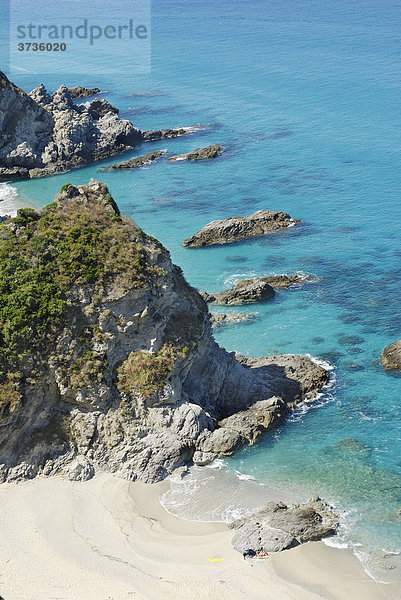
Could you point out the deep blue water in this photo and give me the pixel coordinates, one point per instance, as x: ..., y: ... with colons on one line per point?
x: 305, y: 98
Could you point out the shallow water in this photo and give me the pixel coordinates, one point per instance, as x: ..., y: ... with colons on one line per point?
x: 306, y: 103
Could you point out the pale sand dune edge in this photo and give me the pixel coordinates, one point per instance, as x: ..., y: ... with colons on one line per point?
x: 108, y: 539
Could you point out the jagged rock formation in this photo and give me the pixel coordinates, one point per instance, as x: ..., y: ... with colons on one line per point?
x: 106, y: 355
x: 278, y: 526
x: 205, y: 153
x: 239, y: 228
x: 135, y: 163
x: 81, y: 92
x: 98, y: 108
x: 246, y: 291
x: 42, y: 134
x: 391, y: 356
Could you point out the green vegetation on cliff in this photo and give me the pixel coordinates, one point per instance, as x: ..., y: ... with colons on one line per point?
x: 145, y: 372
x: 46, y: 256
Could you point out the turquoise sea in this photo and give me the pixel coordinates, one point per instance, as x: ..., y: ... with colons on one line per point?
x: 305, y: 98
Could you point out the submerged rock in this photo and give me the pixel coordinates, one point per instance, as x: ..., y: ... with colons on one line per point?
x: 134, y: 163
x: 218, y: 319
x: 108, y: 362
x: 391, y: 356
x: 239, y: 228
x: 81, y: 92
x: 205, y: 153
x: 278, y: 526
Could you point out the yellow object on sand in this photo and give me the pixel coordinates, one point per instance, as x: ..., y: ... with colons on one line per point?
x: 215, y: 559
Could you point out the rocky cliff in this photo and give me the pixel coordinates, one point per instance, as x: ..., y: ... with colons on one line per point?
x: 42, y: 134
x: 107, y: 359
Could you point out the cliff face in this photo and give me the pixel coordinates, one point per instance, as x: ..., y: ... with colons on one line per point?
x: 41, y: 134
x: 107, y: 359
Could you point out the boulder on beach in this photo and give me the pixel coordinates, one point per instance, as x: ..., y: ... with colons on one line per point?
x: 278, y: 526
x: 239, y: 228
x: 391, y: 356
x: 205, y: 153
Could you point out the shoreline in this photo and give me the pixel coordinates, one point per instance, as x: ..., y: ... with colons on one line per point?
x: 109, y: 539
x: 10, y: 200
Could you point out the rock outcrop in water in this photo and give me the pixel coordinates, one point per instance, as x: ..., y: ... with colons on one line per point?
x: 239, y: 228
x: 41, y: 134
x: 205, y: 153
x: 391, y: 356
x: 278, y: 526
x: 246, y: 291
x: 106, y: 355
x: 153, y: 135
x: 135, y: 163
x: 82, y: 92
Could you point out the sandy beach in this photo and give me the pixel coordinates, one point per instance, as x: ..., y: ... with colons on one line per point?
x: 108, y: 539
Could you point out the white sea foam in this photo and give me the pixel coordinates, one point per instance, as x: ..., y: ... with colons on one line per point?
x: 229, y: 281
x: 9, y: 200
x: 191, y: 128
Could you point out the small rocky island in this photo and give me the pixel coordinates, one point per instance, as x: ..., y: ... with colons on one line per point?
x: 235, y: 229
x: 78, y: 91
x: 41, y: 134
x: 391, y: 356
x: 107, y: 360
x: 135, y: 163
x: 246, y: 291
x: 205, y: 153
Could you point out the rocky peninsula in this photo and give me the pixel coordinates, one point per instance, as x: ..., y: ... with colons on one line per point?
x: 41, y: 134
x: 121, y: 372
x: 235, y: 229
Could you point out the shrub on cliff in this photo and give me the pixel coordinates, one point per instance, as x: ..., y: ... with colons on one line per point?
x: 144, y: 372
